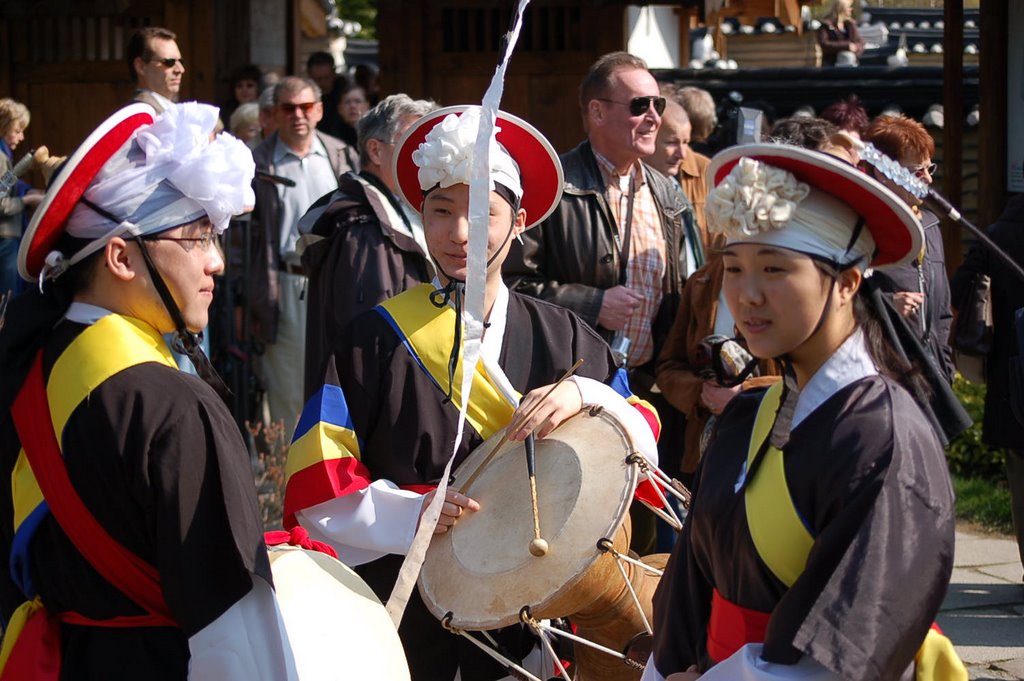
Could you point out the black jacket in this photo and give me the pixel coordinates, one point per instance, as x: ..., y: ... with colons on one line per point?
x: 1000, y: 428
x: 573, y: 256
x: 932, y: 324
x: 358, y: 261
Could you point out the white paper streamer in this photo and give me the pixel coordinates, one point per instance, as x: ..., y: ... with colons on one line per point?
x: 472, y: 315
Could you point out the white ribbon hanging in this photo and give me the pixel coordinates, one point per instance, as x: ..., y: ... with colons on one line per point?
x: 472, y: 316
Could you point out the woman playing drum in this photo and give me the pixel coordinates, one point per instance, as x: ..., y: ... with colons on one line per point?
x: 820, y: 541
x: 373, y: 442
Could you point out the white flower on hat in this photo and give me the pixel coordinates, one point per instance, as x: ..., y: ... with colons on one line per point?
x: 445, y: 157
x: 754, y: 198
x: 215, y: 174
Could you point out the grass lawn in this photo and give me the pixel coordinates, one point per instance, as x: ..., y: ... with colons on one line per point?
x: 984, y: 503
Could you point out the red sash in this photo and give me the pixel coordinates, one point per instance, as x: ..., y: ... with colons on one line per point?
x: 32, y: 658
x: 732, y: 626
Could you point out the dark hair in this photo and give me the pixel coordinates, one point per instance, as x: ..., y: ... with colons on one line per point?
x: 246, y: 72
x: 801, y: 131
x: 139, y: 46
x: 320, y: 59
x: 364, y: 75
x: 889, y: 361
x: 598, y: 80
x: 847, y: 114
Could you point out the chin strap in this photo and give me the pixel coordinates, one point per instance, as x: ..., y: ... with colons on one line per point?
x: 453, y: 292
x: 184, y: 341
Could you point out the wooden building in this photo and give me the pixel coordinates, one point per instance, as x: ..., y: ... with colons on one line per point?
x: 65, y: 58
x: 448, y: 50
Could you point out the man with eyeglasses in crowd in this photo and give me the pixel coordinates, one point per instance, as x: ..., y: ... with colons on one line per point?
x: 309, y: 163
x: 365, y: 244
x: 918, y: 290
x: 614, y: 251
x: 155, y: 65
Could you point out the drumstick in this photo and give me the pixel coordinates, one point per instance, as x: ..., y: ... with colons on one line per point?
x: 504, y: 438
x: 538, y: 546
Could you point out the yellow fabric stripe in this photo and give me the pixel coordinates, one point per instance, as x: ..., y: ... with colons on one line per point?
x: 936, y: 660
x: 25, y: 490
x: 106, y: 348
x: 324, y: 442
x: 781, y: 539
x: 430, y: 332
x: 109, y: 346
x: 15, y: 626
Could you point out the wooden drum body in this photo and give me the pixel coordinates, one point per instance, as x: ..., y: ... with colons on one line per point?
x: 481, y: 574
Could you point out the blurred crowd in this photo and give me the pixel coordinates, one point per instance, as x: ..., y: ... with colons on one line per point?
x: 322, y: 143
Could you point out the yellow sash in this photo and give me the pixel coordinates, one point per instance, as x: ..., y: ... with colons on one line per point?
x: 780, y: 536
x: 109, y: 346
x: 429, y: 333
x: 783, y: 541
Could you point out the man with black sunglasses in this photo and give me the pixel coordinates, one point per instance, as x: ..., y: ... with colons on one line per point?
x: 155, y: 66
x: 614, y: 251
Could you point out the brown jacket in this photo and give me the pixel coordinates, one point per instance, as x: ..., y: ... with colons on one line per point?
x: 693, y: 178
x: 676, y: 373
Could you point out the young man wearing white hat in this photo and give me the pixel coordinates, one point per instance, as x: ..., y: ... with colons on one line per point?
x: 137, y: 526
x: 372, y: 444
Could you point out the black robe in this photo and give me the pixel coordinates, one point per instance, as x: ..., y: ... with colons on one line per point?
x: 157, y: 459
x: 866, y: 472
x: 407, y: 431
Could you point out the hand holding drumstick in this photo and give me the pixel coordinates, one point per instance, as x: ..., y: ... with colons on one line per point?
x: 540, y: 413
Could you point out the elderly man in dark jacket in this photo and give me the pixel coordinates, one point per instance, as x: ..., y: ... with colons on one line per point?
x: 364, y: 244
x: 1001, y: 426
x: 614, y: 250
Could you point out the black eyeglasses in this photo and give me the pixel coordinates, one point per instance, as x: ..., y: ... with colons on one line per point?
x: 169, y: 62
x: 204, y: 242
x: 638, y: 106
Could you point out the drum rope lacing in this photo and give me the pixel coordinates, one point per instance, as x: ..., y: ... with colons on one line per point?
x: 660, y: 480
x: 446, y: 623
x: 542, y: 628
x: 605, y: 546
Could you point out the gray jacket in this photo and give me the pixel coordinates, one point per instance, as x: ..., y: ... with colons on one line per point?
x: 265, y: 250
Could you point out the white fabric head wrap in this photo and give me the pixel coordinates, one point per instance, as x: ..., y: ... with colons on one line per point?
x: 167, y: 174
x: 446, y: 155
x: 761, y: 204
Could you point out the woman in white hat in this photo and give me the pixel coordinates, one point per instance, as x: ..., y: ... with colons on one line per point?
x: 137, y: 528
x: 820, y: 540
x: 371, y: 445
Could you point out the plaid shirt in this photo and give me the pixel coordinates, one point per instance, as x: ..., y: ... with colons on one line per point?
x: 645, y: 269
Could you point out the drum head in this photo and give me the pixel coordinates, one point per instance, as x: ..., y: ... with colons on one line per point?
x: 337, y: 627
x: 482, y: 570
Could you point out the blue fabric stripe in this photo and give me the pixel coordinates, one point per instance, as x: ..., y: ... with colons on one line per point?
x: 405, y: 341
x: 328, y: 405
x: 620, y: 383
x: 20, y: 563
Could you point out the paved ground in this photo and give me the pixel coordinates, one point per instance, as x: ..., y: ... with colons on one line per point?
x: 984, y: 611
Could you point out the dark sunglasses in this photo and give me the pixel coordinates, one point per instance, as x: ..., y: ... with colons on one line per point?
x: 638, y: 106
x: 291, y: 108
x: 169, y: 62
